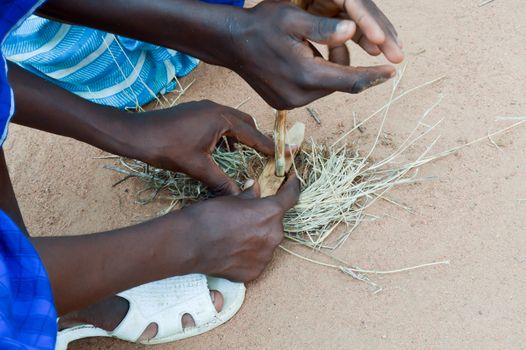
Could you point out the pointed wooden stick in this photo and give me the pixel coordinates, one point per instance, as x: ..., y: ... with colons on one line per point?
x: 280, y: 135
x: 268, y: 181
x: 280, y: 125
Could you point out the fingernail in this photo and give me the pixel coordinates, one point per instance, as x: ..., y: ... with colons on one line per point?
x: 249, y: 183
x: 393, y: 73
x: 344, y: 27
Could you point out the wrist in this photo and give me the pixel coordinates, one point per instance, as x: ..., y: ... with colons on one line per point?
x: 179, y: 247
x: 116, y: 132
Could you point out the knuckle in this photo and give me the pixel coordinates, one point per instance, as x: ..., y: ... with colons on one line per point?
x: 246, y: 118
x: 274, y: 207
x: 285, y: 17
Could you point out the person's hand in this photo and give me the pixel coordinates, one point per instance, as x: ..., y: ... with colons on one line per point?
x: 235, y: 236
x: 375, y: 33
x: 275, y: 58
x: 182, y: 139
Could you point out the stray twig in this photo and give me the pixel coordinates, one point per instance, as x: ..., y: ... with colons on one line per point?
x: 365, y: 271
x: 494, y: 143
x: 485, y: 3
x: 243, y: 102
x: 314, y: 115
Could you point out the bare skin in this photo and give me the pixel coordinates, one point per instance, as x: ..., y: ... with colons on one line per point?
x: 179, y: 243
x: 247, y: 40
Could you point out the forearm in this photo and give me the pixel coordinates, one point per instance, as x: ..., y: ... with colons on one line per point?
x: 45, y: 106
x: 85, y: 269
x: 202, y: 30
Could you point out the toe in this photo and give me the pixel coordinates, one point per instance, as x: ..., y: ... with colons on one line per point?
x: 217, y: 300
x: 187, y: 320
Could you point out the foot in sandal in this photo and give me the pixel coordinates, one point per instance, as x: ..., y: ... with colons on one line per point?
x: 157, y: 312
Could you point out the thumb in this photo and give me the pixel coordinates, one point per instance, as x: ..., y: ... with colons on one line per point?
x: 251, y: 190
x: 289, y: 193
x: 209, y: 173
x: 328, y: 31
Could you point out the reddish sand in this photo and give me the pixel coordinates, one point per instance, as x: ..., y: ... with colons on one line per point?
x: 472, y: 215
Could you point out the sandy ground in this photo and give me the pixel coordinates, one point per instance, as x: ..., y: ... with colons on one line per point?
x: 472, y: 215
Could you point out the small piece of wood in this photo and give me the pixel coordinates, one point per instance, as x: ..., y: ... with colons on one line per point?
x: 280, y: 134
x: 314, y: 115
x: 268, y: 181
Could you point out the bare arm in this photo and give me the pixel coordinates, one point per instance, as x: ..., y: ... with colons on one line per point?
x: 267, y: 45
x: 87, y: 268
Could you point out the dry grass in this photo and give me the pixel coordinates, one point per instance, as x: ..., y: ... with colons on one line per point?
x: 338, y: 183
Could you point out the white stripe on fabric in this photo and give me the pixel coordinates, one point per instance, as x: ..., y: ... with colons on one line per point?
x: 170, y: 71
x: 62, y: 73
x: 115, y: 89
x: 50, y: 45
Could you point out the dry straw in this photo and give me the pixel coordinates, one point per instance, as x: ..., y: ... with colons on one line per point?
x: 338, y: 183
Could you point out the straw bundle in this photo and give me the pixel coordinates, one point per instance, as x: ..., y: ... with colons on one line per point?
x: 337, y: 186
x: 338, y: 183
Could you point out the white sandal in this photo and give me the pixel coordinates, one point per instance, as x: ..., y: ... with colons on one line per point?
x: 164, y: 303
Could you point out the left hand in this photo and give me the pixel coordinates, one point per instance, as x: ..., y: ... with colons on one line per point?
x: 375, y: 33
x: 182, y: 139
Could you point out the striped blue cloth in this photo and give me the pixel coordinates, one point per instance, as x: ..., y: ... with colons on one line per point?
x: 101, y: 67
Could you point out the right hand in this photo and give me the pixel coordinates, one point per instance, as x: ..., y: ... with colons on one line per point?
x: 235, y: 236
x: 271, y: 51
x: 375, y: 33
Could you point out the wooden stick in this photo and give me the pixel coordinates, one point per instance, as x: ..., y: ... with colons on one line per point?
x: 280, y: 126
x: 268, y: 181
x: 280, y: 134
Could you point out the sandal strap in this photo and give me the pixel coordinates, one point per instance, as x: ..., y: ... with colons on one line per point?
x: 165, y: 302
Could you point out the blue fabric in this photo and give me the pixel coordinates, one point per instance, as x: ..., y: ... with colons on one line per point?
x: 101, y: 67
x: 28, y: 318
x: 11, y: 14
x: 27, y: 311
x: 110, y: 78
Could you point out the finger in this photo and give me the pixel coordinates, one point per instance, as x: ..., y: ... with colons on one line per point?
x: 289, y: 193
x: 250, y: 136
x: 366, y: 44
x: 369, y: 47
x: 323, y: 8
x: 364, y: 20
x: 392, y: 51
x: 333, y: 77
x: 328, y: 31
x: 340, y: 55
x: 376, y: 27
x: 209, y: 173
x: 251, y: 190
